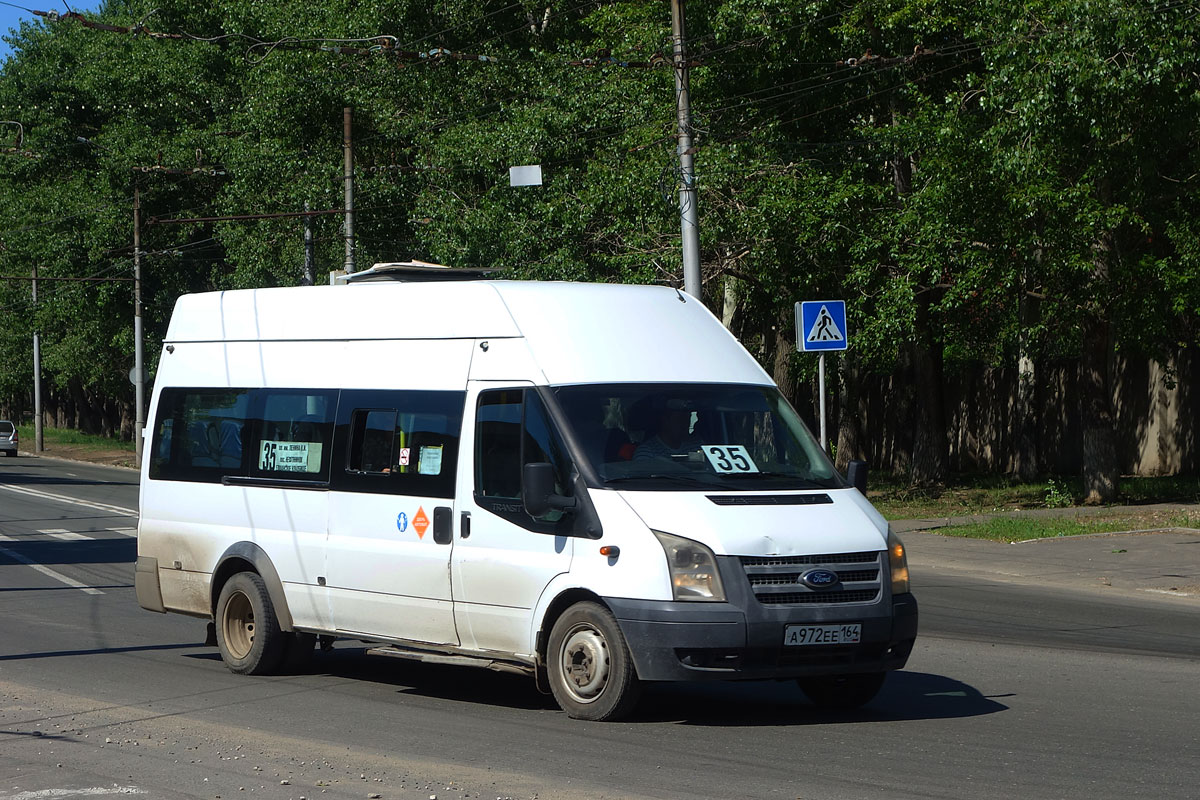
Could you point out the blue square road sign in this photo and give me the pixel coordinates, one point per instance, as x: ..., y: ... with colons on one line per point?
x: 821, y: 325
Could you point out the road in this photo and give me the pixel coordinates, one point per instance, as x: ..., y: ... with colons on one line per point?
x: 1013, y: 690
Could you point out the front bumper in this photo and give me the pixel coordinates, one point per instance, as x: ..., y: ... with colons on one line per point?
x: 742, y: 639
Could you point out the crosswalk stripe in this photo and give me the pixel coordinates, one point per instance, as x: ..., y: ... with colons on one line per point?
x: 67, y: 536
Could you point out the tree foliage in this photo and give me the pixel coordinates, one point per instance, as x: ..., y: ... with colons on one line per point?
x: 935, y: 162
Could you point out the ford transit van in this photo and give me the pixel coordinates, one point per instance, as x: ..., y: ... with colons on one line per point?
x: 595, y: 485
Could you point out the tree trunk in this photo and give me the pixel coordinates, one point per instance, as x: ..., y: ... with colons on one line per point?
x: 852, y: 414
x: 781, y: 369
x: 1100, y: 470
x: 1025, y: 423
x: 930, y: 448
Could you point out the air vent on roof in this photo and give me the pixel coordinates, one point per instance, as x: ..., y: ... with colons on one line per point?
x: 415, y: 272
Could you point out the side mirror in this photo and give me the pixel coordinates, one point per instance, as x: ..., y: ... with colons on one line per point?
x: 856, y: 474
x: 537, y: 490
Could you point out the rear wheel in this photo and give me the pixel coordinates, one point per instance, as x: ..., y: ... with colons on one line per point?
x: 588, y: 663
x: 248, y: 633
x: 842, y: 692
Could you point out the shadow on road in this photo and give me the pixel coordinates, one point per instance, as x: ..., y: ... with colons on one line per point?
x: 14, y: 477
x: 121, y: 550
x: 905, y: 695
x: 100, y: 651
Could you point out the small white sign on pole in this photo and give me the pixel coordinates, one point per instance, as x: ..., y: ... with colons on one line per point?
x: 525, y: 176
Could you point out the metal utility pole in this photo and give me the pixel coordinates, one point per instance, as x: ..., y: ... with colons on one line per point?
x: 309, y: 275
x: 687, y: 167
x: 139, y: 372
x: 348, y: 155
x: 39, y: 443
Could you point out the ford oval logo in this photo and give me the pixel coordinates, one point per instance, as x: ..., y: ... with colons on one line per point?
x: 819, y: 578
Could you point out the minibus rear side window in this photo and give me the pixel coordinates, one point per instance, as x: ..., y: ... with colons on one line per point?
x: 198, y: 434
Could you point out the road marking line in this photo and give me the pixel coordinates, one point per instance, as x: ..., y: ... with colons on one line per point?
x: 67, y: 536
x: 123, y: 531
x: 62, y: 498
x: 58, y: 576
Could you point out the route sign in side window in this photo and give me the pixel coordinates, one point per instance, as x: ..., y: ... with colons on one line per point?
x: 294, y: 433
x: 399, y: 442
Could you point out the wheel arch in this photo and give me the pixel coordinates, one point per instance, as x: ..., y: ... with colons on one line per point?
x: 554, y: 610
x: 249, y: 557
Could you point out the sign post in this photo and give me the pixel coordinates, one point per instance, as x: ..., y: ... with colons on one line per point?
x: 821, y: 326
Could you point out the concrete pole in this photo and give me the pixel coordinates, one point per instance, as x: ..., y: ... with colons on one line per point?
x: 348, y: 157
x: 687, y: 169
x: 139, y: 372
x: 309, y: 274
x: 39, y: 442
x: 821, y: 402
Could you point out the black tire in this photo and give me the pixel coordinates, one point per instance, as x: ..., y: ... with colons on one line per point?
x: 589, y: 667
x: 842, y: 692
x: 297, y: 652
x: 248, y: 633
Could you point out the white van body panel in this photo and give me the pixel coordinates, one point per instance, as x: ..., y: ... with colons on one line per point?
x: 429, y: 311
x: 763, y: 530
x: 598, y: 333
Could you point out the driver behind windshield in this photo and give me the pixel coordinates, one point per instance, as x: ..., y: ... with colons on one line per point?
x: 672, y: 437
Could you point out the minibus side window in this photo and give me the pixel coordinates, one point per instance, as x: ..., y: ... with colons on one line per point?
x: 294, y: 433
x: 372, y: 439
x: 398, y: 442
x: 198, y: 435
x: 513, y: 429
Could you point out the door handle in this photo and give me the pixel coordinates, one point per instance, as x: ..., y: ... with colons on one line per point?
x: 464, y: 525
x: 443, y: 525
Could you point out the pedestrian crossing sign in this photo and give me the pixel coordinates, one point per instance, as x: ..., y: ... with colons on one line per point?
x: 821, y: 325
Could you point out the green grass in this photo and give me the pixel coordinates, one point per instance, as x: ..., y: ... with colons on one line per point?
x: 72, y: 438
x: 981, y: 494
x: 1009, y: 529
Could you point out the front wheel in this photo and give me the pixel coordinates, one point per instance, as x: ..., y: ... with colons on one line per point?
x: 248, y: 633
x: 842, y: 692
x: 589, y: 666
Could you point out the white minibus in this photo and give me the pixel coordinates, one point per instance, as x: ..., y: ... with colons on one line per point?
x: 591, y: 484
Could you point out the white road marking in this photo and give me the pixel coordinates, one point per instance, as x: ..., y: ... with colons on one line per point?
x: 67, y: 536
x: 123, y: 531
x: 49, y: 573
x: 62, y: 498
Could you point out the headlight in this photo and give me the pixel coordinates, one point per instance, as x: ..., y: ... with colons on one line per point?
x: 693, y: 566
x: 898, y: 560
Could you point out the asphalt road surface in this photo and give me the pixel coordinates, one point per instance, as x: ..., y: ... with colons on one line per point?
x: 1012, y: 691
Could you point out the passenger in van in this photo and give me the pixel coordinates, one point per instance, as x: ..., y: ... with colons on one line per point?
x: 671, y: 438
x: 231, y: 444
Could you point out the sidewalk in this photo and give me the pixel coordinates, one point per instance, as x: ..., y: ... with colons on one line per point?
x: 1163, y: 563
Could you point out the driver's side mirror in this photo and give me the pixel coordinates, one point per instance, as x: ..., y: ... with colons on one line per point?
x: 856, y: 474
x: 537, y: 490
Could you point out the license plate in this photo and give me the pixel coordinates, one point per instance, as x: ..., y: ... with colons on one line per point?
x: 794, y: 635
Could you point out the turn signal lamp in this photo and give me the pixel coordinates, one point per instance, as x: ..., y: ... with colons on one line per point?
x: 898, y: 561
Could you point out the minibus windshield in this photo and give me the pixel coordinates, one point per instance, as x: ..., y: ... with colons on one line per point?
x: 694, y: 436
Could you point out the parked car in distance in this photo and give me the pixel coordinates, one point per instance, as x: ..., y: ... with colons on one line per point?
x: 8, y: 437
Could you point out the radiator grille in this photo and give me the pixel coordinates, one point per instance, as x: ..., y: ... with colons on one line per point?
x: 775, y: 580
